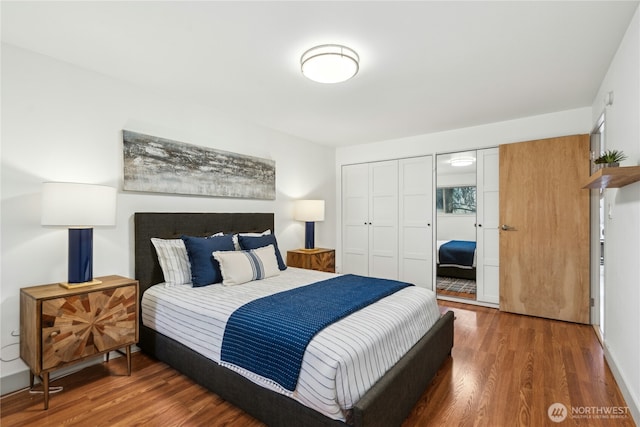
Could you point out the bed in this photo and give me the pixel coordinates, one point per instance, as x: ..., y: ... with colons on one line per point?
x: 386, y: 403
x: 456, y: 258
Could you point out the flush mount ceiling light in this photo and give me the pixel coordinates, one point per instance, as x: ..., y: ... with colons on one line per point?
x: 329, y: 63
x: 462, y: 161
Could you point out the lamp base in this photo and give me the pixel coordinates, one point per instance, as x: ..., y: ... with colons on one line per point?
x: 68, y: 285
x: 80, y: 255
x: 309, y: 238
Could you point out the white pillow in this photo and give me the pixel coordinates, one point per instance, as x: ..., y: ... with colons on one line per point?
x: 239, y: 267
x: 174, y: 261
x: 236, y: 243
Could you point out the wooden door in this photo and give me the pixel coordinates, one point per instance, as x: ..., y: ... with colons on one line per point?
x: 544, y: 236
x: 488, y: 223
x: 415, y: 221
x: 383, y: 219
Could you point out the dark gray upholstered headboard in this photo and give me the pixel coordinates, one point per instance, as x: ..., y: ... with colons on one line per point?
x: 173, y: 225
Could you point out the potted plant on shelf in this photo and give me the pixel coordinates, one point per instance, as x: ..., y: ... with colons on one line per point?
x: 610, y: 158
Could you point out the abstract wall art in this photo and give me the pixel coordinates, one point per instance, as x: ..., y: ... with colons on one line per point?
x: 159, y: 165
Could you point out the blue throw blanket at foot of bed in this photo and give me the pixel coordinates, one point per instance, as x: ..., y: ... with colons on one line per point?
x: 269, y: 336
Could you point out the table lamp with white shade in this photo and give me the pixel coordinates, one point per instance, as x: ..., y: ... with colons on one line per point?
x: 309, y: 211
x: 79, y: 207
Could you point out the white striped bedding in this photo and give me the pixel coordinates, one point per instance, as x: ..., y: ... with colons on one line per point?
x: 342, y: 361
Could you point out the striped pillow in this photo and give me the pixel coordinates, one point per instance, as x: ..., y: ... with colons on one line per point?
x: 174, y: 261
x: 239, y: 267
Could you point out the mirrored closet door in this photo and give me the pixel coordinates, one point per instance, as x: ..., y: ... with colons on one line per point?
x: 456, y: 206
x: 467, y: 237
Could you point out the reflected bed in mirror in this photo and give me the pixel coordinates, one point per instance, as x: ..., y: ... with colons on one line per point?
x: 456, y: 268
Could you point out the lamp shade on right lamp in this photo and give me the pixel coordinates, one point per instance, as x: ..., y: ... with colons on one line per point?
x: 309, y: 211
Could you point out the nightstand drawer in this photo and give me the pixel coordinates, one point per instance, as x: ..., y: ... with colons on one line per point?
x: 79, y: 326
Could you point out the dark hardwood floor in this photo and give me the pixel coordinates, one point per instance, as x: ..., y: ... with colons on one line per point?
x: 506, y: 370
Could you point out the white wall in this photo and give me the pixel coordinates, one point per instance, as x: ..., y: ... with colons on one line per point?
x: 63, y: 123
x: 622, y: 229
x: 456, y: 179
x: 571, y: 122
x: 456, y: 227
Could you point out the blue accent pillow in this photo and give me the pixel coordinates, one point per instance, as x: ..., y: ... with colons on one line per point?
x: 205, y: 270
x: 252, y: 242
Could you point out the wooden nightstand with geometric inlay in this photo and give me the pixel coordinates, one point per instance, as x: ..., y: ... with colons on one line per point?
x: 320, y: 259
x: 60, y: 327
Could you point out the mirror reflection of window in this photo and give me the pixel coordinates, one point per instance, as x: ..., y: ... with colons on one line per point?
x: 456, y: 200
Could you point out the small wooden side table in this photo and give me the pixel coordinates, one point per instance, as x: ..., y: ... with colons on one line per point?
x: 320, y: 259
x: 60, y: 327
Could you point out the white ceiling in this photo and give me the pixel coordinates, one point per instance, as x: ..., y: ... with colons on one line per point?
x: 425, y: 66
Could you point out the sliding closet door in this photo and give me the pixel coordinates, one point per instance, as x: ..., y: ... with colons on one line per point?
x: 383, y: 219
x: 487, y: 234
x: 544, y: 235
x: 355, y: 219
x: 415, y: 221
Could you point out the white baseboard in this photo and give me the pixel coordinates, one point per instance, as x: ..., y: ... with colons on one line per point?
x: 632, y: 401
x: 14, y: 382
x: 20, y: 380
x: 468, y: 301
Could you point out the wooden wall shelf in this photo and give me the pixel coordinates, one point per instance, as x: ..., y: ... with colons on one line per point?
x: 614, y: 177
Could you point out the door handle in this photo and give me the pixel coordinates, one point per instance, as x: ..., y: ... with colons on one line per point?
x: 506, y: 227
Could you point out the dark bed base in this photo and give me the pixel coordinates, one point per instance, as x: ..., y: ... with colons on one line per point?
x: 387, y: 403
x: 459, y: 273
